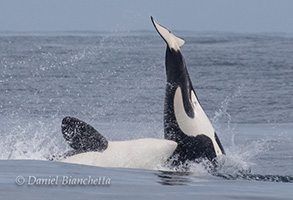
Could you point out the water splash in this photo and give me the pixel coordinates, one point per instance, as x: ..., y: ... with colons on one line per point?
x: 238, y: 162
x: 223, y: 115
x: 238, y: 158
x: 31, y: 140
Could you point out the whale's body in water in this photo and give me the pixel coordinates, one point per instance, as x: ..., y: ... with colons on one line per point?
x: 189, y: 135
x: 91, y: 148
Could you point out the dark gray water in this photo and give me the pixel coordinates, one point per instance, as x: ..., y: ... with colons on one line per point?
x: 116, y: 82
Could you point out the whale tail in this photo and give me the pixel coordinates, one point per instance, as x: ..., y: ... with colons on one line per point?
x: 173, y: 41
x: 81, y: 136
x: 185, y: 121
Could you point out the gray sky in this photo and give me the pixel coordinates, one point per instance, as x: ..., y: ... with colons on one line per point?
x: 125, y: 15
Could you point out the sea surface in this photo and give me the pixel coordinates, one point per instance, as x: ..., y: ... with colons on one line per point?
x: 115, y: 81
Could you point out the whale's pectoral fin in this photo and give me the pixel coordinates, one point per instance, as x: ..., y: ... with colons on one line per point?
x: 82, y: 136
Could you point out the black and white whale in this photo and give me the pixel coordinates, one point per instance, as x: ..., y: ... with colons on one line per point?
x: 91, y: 148
x: 189, y: 135
x: 185, y: 122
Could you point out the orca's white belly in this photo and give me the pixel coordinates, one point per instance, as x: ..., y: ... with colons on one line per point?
x: 142, y: 153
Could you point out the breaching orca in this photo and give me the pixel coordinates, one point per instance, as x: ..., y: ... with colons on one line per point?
x: 189, y: 135
x: 185, y: 122
x: 91, y: 148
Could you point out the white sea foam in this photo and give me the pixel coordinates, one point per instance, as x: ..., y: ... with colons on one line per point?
x: 31, y: 140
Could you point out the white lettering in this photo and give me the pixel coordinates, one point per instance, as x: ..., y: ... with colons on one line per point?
x: 68, y: 180
x: 31, y: 180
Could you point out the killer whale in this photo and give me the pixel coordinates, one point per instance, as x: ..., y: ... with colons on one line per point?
x: 91, y: 148
x: 185, y: 122
x: 189, y: 135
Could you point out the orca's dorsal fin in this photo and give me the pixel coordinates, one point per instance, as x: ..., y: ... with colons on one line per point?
x: 172, y: 40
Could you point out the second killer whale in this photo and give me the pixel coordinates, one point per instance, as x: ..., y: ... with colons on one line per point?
x: 185, y: 122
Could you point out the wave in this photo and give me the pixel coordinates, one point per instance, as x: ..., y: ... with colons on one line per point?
x: 256, y: 177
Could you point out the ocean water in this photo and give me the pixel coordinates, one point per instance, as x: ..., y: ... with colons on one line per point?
x: 115, y: 81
